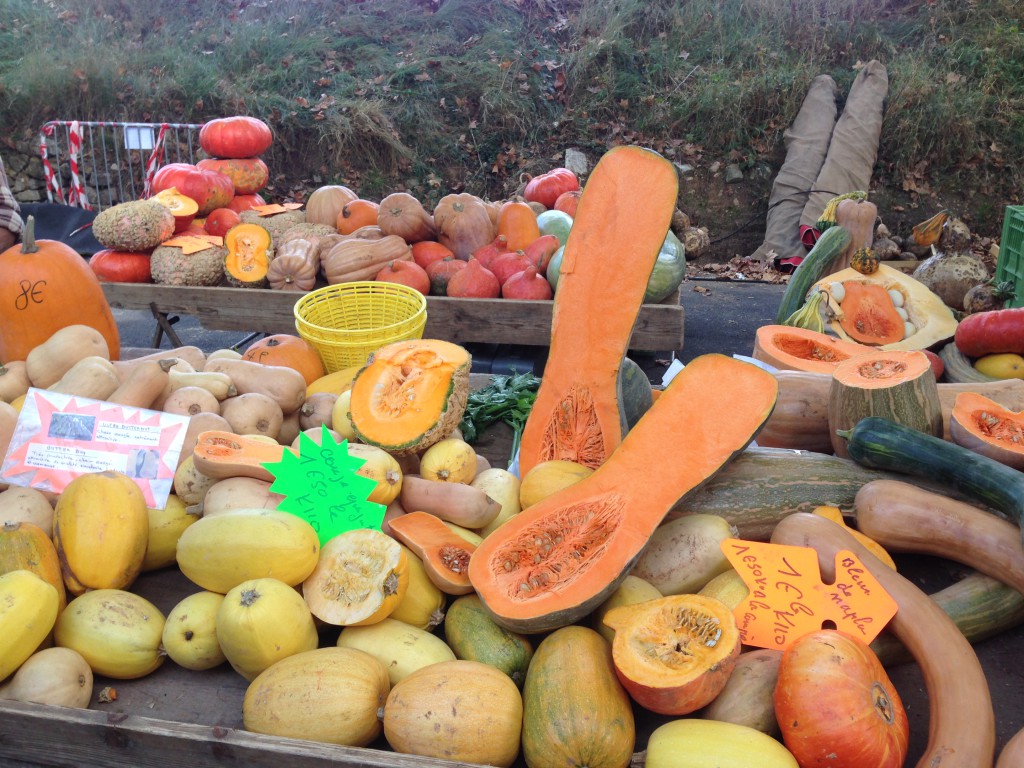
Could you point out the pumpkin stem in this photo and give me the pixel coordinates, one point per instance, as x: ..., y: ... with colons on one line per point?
x: 28, y: 237
x: 844, y: 433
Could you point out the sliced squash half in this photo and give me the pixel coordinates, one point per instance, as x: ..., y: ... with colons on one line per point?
x: 933, y: 320
x: 800, y: 349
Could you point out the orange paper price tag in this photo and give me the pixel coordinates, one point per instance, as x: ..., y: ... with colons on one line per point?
x: 193, y: 243
x: 272, y: 208
x: 788, y: 599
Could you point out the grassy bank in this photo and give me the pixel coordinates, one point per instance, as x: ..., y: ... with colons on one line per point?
x: 471, y: 95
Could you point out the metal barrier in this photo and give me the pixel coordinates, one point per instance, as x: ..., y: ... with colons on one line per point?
x: 99, y: 164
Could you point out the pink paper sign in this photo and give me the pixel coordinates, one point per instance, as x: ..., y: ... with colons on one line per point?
x: 59, y: 437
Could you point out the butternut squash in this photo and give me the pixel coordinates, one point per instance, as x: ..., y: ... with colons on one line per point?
x: 455, y: 502
x: 194, y: 356
x: 143, y: 384
x: 961, y: 721
x: 284, y: 385
x: 445, y: 555
x: 253, y: 414
x: 225, y: 454
x: 13, y: 380
x: 189, y: 401
x: 49, y: 361
x: 555, y: 562
x: 92, y: 377
x: 627, y: 207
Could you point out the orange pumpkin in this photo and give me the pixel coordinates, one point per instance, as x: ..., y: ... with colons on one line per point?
x: 836, y: 706
x: 518, y: 223
x: 463, y: 223
x: 287, y: 351
x: 356, y: 214
x: 46, y: 285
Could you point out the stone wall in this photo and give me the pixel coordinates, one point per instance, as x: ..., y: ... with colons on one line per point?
x: 25, y: 172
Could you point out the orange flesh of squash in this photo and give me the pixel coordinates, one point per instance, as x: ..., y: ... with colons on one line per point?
x: 445, y: 554
x: 247, y: 258
x: 869, y: 316
x: 882, y: 369
x: 674, y: 654
x: 409, y: 390
x: 224, y: 454
x: 988, y: 428
x: 801, y: 349
x: 618, y: 231
x: 556, y: 561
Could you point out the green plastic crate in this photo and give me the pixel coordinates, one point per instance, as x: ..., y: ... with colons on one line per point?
x: 1010, y: 265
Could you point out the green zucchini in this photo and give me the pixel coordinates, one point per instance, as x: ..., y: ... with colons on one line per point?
x: 979, y: 605
x: 883, y: 444
x: 761, y: 486
x: 830, y: 245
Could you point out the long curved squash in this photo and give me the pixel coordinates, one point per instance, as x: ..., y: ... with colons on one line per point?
x: 831, y: 244
x: 558, y: 560
x: 616, y: 236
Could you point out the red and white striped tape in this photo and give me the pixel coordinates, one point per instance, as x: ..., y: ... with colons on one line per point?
x: 53, y: 190
x: 77, y: 194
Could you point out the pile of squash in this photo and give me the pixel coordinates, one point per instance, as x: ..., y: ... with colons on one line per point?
x: 543, y: 612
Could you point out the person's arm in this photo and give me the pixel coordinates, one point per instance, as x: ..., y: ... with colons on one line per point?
x: 11, y: 225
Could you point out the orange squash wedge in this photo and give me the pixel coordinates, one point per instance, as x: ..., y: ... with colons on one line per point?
x: 445, y: 554
x: 674, y: 654
x: 799, y: 349
x: 986, y: 427
x: 626, y: 209
x: 558, y: 560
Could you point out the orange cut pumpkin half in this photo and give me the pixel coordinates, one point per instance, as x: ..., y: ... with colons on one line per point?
x: 558, y: 560
x: 800, y: 349
x: 674, y: 654
x: 984, y: 426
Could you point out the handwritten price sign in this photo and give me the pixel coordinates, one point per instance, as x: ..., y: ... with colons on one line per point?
x: 321, y: 486
x: 788, y: 599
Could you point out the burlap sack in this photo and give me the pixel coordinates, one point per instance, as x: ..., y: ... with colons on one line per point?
x: 807, y: 141
x: 854, y: 146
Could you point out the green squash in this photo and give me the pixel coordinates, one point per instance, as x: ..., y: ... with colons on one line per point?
x: 474, y: 636
x: 669, y: 270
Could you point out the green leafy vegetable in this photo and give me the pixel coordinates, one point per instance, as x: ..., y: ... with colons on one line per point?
x: 508, y: 399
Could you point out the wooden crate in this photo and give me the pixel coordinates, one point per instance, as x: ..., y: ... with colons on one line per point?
x: 659, y: 327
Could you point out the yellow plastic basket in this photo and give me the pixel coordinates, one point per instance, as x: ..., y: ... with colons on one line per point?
x: 347, y: 322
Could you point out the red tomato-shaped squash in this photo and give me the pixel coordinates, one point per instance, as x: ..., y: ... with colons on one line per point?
x: 546, y: 188
x: 837, y: 707
x: 209, y: 189
x: 121, y: 266
x: 237, y: 136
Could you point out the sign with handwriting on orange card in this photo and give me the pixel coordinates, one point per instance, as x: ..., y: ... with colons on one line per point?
x: 788, y: 599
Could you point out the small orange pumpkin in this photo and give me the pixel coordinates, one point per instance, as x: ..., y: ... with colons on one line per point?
x: 518, y: 223
x: 356, y: 214
x: 286, y: 350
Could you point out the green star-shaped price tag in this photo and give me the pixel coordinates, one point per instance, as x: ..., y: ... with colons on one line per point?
x: 321, y: 486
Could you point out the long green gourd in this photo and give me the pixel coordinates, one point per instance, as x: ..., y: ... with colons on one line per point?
x: 831, y: 243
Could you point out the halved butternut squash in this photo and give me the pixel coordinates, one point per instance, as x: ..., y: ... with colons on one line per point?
x: 557, y: 561
x: 626, y: 209
x: 799, y: 349
x: 410, y: 395
x: 445, y: 554
x: 988, y: 428
x: 896, y: 385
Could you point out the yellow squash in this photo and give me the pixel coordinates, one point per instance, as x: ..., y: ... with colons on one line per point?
x: 28, y: 608
x: 101, y: 531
